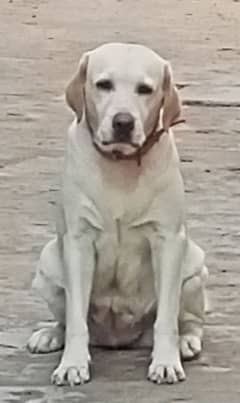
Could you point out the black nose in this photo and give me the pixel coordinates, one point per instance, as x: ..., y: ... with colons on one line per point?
x: 123, y: 124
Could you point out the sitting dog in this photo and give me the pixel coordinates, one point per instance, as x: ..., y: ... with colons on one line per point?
x: 122, y: 270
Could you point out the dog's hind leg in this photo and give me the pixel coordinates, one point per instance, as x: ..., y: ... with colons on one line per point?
x: 193, y: 305
x: 47, y: 283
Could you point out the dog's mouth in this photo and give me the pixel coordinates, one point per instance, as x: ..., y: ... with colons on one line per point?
x: 120, y: 143
x: 118, y: 149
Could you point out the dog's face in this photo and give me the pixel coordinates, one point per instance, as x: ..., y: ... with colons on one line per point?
x: 123, y: 88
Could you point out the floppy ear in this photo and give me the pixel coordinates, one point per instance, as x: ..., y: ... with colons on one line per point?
x: 171, y: 102
x: 74, y: 90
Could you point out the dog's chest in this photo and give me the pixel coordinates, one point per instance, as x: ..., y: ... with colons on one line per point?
x: 118, y: 215
x: 122, y: 253
x: 123, y: 266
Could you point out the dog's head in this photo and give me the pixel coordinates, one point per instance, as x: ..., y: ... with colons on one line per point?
x: 123, y: 90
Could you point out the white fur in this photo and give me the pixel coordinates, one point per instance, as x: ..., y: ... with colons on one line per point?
x: 122, y: 250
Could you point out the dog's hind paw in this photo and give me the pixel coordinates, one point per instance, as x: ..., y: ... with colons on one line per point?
x: 46, y: 340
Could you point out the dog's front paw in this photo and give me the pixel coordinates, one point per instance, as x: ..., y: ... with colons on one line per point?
x: 71, y: 373
x: 73, y: 368
x: 166, y: 370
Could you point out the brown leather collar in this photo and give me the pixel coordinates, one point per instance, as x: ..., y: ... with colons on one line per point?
x: 141, y: 151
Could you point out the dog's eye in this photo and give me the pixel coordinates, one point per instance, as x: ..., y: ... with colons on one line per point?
x: 105, y: 85
x: 144, y: 89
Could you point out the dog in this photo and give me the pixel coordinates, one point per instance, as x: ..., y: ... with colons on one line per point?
x: 122, y: 270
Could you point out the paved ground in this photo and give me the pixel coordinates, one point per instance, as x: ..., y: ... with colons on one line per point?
x: 39, y: 48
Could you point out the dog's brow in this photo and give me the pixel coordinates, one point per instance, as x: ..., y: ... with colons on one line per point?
x: 146, y: 80
x: 102, y: 77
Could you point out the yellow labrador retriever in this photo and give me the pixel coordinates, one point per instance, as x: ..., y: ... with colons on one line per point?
x: 122, y: 270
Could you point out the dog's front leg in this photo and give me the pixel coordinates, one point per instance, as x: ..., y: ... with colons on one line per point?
x: 79, y: 270
x: 167, y: 255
